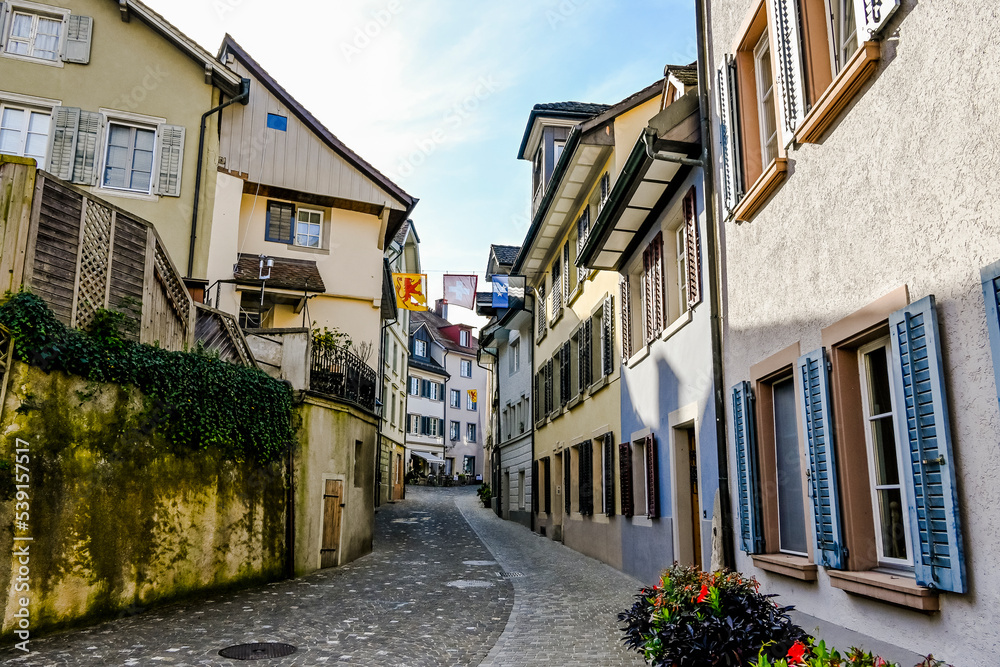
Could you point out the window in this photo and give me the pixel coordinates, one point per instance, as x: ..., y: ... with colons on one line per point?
x: 34, y: 35
x: 414, y: 386
x: 845, y: 32
x: 464, y: 338
x: 25, y: 132
x: 680, y: 246
x: 791, y: 510
x: 279, y: 222
x: 765, y: 100
x: 433, y: 426
x: 392, y: 418
x: 465, y: 368
x: 582, y: 234
x: 559, y: 146
x: 605, y: 189
x: 514, y: 356
x: 308, y: 228
x: 556, y: 288
x: 470, y: 432
x: 540, y: 317
x: 128, y: 158
x: 520, y: 489
x: 469, y: 465
x: 892, y: 529
x: 472, y: 398
x: 395, y: 357
x: 456, y: 398
x: 434, y: 391
x: 413, y: 423
x: 420, y: 348
x: 454, y: 431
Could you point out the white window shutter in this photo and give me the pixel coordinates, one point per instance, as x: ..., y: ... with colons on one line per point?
x: 76, y: 48
x: 789, y: 66
x: 872, y: 15
x: 89, y: 131
x: 3, y: 16
x: 732, y: 185
x: 169, y: 160
x: 62, y: 145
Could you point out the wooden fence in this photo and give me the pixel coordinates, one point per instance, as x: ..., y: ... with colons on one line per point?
x: 81, y: 253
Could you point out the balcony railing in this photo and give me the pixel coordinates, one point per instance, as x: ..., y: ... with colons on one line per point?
x: 344, y: 375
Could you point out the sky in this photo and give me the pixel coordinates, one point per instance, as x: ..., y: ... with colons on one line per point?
x: 436, y: 93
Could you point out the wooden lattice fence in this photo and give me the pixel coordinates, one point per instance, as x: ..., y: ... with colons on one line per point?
x: 81, y: 253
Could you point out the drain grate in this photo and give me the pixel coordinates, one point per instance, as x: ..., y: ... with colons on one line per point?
x: 257, y: 651
x: 510, y: 575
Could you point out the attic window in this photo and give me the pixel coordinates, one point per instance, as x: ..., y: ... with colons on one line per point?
x: 276, y: 122
x: 463, y: 338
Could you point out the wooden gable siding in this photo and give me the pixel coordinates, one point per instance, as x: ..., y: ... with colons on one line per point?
x: 296, y: 159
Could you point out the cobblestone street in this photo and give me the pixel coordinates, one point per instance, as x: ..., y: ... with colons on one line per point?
x: 429, y: 594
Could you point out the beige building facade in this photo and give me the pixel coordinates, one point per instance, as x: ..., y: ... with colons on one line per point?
x: 860, y: 290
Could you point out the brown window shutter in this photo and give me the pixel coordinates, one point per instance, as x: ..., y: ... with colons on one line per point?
x: 609, y: 474
x: 693, y: 248
x: 626, y: 320
x: 656, y: 291
x: 625, y: 473
x: 652, y: 479
x: 647, y: 299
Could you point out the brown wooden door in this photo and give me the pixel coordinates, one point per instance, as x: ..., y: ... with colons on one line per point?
x: 333, y: 505
x: 695, y: 505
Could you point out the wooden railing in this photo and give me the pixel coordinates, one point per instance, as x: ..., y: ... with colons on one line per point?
x: 81, y: 254
x: 344, y: 375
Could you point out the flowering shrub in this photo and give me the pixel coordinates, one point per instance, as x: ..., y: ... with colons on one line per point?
x: 806, y: 654
x: 693, y: 618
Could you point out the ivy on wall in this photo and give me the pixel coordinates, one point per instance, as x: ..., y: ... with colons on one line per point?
x: 196, y: 400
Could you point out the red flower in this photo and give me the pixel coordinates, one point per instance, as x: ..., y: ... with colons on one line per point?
x: 797, y: 653
x: 703, y: 595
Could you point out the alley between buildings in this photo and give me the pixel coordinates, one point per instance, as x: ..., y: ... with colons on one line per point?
x: 448, y: 583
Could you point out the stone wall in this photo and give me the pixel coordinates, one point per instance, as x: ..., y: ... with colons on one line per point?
x: 119, y: 518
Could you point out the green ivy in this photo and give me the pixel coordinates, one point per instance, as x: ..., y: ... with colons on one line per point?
x: 196, y: 400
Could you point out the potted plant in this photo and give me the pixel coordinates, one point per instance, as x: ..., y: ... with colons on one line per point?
x: 485, y: 494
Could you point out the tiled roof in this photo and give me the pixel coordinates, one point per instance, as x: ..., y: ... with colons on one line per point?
x: 505, y: 254
x: 573, y: 107
x: 434, y: 324
x: 400, y: 237
x: 430, y: 366
x: 296, y: 274
x: 686, y: 74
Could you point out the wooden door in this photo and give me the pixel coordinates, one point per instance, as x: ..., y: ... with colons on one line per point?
x: 695, y: 505
x: 333, y: 506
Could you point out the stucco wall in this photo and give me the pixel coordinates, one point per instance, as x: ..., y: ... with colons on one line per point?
x: 327, y: 449
x: 900, y: 191
x: 463, y: 447
x: 516, y: 451
x: 120, y: 518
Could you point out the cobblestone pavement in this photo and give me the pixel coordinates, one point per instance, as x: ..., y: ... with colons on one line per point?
x: 565, y: 606
x: 428, y: 595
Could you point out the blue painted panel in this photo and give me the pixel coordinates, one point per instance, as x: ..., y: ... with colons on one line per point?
x: 276, y: 122
x: 924, y: 433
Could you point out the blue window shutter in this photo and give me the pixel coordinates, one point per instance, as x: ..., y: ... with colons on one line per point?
x: 924, y: 434
x: 991, y: 296
x: 745, y: 435
x: 822, y: 471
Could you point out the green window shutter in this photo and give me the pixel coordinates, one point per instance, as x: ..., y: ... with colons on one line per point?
x: 625, y: 477
x: 823, y: 479
x: 79, y: 30
x: 991, y: 297
x: 62, y: 146
x: 872, y: 16
x: 169, y: 160
x: 424, y: 425
x: 729, y: 136
x: 88, y: 136
x: 748, y: 481
x: 652, y: 479
x: 609, y: 474
x: 788, y: 54
x: 924, y: 432
x: 280, y: 222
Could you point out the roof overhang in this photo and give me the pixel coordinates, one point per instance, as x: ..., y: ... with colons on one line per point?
x: 533, y: 131
x: 645, y: 186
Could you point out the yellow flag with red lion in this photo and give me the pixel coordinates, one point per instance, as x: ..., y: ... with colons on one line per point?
x: 411, y: 290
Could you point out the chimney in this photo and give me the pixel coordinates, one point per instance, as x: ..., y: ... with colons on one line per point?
x: 441, y: 308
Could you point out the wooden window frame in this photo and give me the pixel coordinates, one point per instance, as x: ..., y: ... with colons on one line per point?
x: 319, y: 237
x: 28, y: 111
x: 36, y: 12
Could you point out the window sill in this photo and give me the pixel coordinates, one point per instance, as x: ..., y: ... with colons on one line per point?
x: 796, y: 567
x: 575, y: 294
x: 539, y: 339
x: 306, y: 249
x: 638, y: 356
x: 676, y: 325
x: 573, y: 402
x: 599, y: 384
x: 759, y: 192
x: 38, y: 61
x: 839, y: 93
x: 125, y: 194
x: 902, y: 591
x: 556, y: 317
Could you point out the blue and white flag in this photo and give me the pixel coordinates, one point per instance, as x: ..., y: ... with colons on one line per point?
x: 508, y: 292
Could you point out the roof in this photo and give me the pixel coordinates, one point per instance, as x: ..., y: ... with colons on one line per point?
x: 404, y: 230
x: 430, y: 366
x: 686, y: 74
x: 586, y: 108
x: 221, y: 76
x: 434, y: 324
x: 294, y: 274
x: 505, y: 254
x: 397, y: 218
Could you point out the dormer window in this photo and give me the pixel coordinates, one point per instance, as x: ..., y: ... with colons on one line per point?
x: 420, y: 348
x: 464, y: 338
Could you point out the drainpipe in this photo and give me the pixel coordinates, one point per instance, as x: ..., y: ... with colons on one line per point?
x: 243, y: 98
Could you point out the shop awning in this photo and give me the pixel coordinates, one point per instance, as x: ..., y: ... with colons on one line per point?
x: 430, y: 458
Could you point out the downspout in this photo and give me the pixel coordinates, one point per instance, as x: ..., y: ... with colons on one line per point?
x: 243, y: 98
x: 713, y: 241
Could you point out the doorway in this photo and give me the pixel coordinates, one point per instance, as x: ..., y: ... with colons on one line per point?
x: 687, y: 500
x: 333, y: 506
